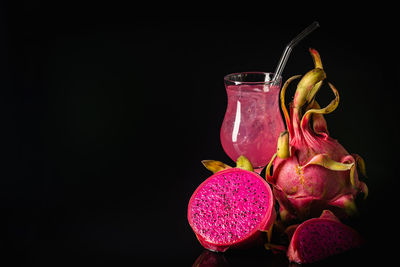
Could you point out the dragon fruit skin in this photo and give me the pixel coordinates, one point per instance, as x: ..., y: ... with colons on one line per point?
x: 319, y: 238
x: 305, y: 192
x: 312, y: 171
x: 231, y: 209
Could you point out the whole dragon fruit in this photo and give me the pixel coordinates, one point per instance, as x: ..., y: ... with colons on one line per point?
x: 312, y: 171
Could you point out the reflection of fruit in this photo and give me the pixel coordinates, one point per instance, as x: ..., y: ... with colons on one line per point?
x: 319, y: 238
x: 312, y: 171
x: 210, y: 259
x: 231, y: 208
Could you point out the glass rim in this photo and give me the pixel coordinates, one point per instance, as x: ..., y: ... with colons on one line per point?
x: 228, y: 78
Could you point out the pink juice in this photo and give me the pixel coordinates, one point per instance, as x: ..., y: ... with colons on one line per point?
x: 252, y: 123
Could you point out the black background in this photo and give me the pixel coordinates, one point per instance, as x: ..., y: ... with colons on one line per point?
x: 106, y: 115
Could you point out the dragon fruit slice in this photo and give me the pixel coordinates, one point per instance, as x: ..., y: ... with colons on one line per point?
x: 311, y: 170
x: 319, y: 238
x: 232, y: 208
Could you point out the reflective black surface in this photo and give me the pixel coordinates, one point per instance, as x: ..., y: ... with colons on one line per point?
x: 105, y: 117
x: 259, y: 257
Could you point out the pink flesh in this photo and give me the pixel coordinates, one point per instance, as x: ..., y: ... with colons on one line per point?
x: 229, y: 207
x: 322, y: 238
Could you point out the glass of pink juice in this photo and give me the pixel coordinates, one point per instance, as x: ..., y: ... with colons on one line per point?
x: 252, y: 121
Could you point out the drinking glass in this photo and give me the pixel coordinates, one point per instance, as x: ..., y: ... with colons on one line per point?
x: 252, y: 121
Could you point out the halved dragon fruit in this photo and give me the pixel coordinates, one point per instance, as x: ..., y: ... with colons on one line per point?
x: 319, y: 238
x: 232, y: 208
